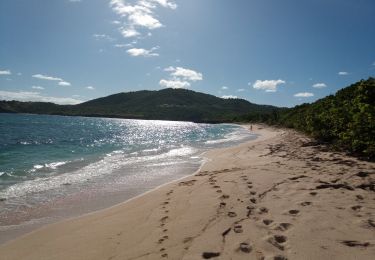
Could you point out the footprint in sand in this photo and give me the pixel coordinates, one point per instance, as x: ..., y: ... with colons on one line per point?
x: 267, y: 221
x: 253, y: 200
x: 306, y: 203
x: 237, y: 229
x: 164, y: 219
x: 244, y: 178
x: 232, y: 214
x: 250, y: 210
x: 293, y: 212
x: 222, y: 204
x: 280, y: 257
x: 371, y: 223
x: 283, y: 226
x: 353, y: 243
x: 278, y: 241
x: 209, y: 255
x: 187, y: 183
x: 356, y: 207
x: 313, y: 193
x: 253, y: 192
x: 224, y: 196
x: 262, y: 210
x: 161, y: 240
x: 245, y: 247
x: 280, y: 238
x: 359, y: 197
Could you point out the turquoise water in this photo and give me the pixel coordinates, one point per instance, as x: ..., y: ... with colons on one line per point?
x: 49, y: 158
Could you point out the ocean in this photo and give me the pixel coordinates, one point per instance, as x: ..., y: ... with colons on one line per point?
x: 53, y: 167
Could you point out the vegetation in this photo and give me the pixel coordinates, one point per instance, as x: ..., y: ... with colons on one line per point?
x: 346, y: 120
x: 166, y: 104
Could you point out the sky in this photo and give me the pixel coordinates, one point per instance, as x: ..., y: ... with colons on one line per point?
x: 276, y: 52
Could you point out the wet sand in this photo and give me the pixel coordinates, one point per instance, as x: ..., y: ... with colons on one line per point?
x: 281, y: 196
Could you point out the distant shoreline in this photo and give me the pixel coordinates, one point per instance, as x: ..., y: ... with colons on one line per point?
x: 125, y: 118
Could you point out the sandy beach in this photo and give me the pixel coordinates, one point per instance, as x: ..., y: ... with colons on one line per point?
x: 280, y: 196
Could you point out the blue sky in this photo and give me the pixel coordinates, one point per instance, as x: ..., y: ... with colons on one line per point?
x: 266, y: 51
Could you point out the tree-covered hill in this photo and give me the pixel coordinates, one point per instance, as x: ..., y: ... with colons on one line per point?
x: 165, y: 104
x: 346, y: 119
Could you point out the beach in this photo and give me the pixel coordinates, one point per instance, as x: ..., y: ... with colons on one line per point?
x: 281, y: 196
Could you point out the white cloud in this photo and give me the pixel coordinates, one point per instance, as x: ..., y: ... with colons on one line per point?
x: 5, y: 72
x: 174, y: 83
x: 229, y: 97
x: 224, y: 87
x: 45, y: 77
x: 129, y: 32
x: 64, y: 84
x: 166, y: 3
x: 141, y: 14
x: 90, y: 87
x: 319, y: 85
x: 343, y: 73
x: 268, y: 85
x: 143, y: 52
x: 240, y: 90
x: 304, y: 94
x: 186, y: 74
x: 115, y: 22
x: 180, y: 77
x: 103, y: 37
x: 144, y: 20
x: 37, y: 87
x: 36, y: 96
x: 126, y: 45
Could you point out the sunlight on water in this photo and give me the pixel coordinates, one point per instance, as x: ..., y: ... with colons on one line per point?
x: 43, y: 158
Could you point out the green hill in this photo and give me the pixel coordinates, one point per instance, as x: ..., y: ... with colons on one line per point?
x: 345, y: 120
x: 165, y: 104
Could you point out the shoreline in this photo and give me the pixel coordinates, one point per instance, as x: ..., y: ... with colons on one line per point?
x: 70, y: 208
x: 238, y: 204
